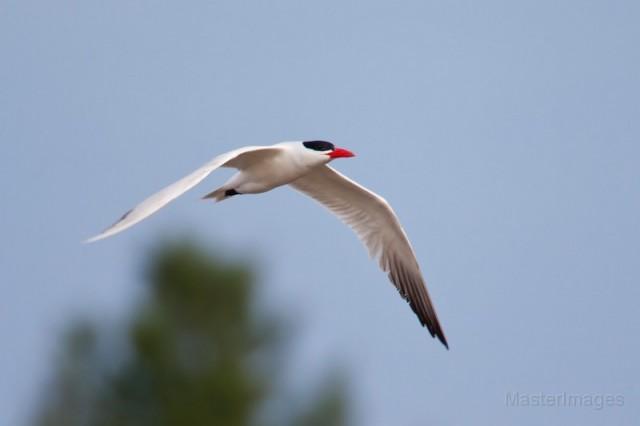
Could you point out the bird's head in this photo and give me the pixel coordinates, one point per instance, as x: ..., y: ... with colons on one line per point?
x: 327, y: 149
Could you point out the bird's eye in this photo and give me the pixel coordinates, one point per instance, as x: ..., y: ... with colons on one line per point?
x: 319, y: 145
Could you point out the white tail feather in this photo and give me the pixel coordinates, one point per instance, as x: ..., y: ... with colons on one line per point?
x: 217, y: 195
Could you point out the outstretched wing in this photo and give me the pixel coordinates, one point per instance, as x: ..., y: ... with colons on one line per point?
x: 375, y: 223
x: 237, y: 158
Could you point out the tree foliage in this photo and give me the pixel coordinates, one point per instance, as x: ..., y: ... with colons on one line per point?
x: 196, y: 351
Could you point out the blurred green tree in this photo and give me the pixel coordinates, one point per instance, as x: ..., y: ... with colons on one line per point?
x: 197, y: 351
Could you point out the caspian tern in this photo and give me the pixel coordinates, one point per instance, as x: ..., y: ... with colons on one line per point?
x: 304, y: 166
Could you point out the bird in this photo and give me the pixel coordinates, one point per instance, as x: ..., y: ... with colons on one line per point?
x: 304, y: 166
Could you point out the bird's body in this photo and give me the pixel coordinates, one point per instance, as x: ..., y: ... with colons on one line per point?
x: 270, y: 167
x: 303, y: 165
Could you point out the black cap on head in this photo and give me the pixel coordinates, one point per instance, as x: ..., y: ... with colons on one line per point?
x: 319, y: 145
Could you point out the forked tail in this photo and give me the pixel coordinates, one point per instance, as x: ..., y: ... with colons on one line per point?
x: 220, y: 194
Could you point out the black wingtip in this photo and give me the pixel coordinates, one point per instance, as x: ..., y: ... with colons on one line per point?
x: 443, y: 340
x: 440, y: 335
x: 436, y: 331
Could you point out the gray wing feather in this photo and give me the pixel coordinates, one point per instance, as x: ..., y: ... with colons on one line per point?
x: 376, y: 224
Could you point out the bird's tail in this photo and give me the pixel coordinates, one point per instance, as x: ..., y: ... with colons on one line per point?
x: 217, y: 195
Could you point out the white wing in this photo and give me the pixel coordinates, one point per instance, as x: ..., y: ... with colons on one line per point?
x: 377, y: 226
x: 238, y: 158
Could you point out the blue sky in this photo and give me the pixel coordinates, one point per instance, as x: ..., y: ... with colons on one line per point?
x: 505, y: 135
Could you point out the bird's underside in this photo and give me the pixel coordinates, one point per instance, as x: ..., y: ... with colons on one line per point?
x: 262, y: 168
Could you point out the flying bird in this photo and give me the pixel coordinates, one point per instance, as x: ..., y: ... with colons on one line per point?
x: 304, y: 166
